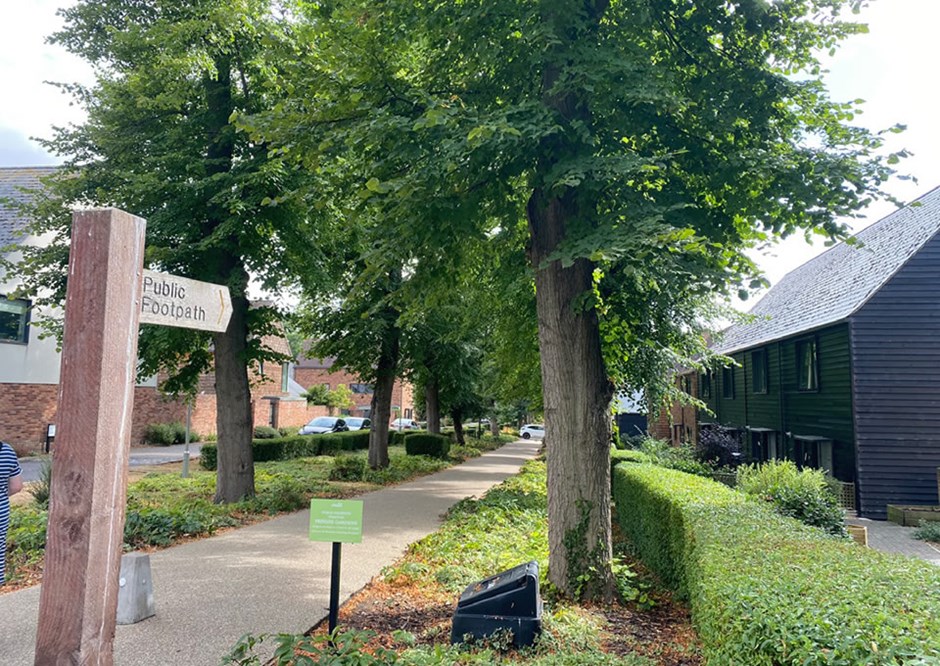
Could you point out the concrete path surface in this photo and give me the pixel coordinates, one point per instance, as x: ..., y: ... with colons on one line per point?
x: 140, y: 455
x: 888, y: 537
x: 267, y: 577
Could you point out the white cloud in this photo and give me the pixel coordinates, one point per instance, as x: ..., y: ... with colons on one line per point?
x: 31, y: 107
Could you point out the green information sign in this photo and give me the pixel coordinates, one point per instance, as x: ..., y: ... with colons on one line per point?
x: 339, y: 521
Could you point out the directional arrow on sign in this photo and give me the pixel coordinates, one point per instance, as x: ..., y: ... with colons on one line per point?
x: 170, y: 300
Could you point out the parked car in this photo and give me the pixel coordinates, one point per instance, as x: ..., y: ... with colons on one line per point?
x: 323, y: 424
x: 404, y: 424
x: 357, y: 423
x: 532, y: 431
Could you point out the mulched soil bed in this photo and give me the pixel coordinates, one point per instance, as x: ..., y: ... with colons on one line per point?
x: 664, y: 633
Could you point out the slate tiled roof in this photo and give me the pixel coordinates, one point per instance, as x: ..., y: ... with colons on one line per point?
x: 11, y: 180
x: 834, y: 285
x: 304, y: 361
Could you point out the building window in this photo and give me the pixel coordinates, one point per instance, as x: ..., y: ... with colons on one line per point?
x: 285, y: 377
x: 705, y: 385
x: 759, y: 370
x: 727, y: 383
x: 14, y: 320
x: 687, y: 384
x: 807, y: 365
x: 361, y: 389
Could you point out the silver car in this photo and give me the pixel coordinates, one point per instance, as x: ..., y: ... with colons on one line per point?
x: 323, y: 424
x: 357, y: 423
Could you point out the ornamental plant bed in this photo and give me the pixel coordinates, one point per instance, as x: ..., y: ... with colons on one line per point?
x: 910, y: 516
x: 407, y: 610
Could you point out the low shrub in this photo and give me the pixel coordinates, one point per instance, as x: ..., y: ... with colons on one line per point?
x: 348, y: 468
x: 928, y: 531
x: 41, y: 488
x: 437, y: 446
x: 802, y: 494
x: 266, y: 432
x: 767, y: 590
x: 167, y: 434
x: 160, y: 434
x: 681, y: 458
x: 397, y: 437
x: 718, y: 447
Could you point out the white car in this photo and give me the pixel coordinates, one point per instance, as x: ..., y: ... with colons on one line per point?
x: 532, y: 431
x: 405, y: 424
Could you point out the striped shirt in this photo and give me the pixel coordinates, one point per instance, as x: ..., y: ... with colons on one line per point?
x: 9, y: 467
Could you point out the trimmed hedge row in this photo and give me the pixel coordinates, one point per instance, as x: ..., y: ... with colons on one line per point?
x: 426, y: 444
x: 297, y: 446
x: 618, y: 456
x: 397, y: 437
x: 767, y: 590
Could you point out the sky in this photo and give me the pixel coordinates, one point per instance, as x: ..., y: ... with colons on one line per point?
x: 892, y: 68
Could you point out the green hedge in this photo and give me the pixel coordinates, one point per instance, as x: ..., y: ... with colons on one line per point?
x: 397, y: 437
x: 618, y: 456
x: 767, y: 590
x: 297, y: 446
x: 423, y: 444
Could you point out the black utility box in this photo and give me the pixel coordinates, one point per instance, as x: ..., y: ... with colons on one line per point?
x: 509, y: 600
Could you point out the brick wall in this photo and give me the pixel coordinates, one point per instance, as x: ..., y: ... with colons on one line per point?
x: 152, y: 407
x: 25, y: 411
x: 679, y: 423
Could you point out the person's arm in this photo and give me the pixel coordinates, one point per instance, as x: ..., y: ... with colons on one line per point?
x: 16, y: 484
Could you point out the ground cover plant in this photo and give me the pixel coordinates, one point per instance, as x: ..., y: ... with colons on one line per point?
x: 765, y: 589
x: 163, y: 508
x: 403, y: 617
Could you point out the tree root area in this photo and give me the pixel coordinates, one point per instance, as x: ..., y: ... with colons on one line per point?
x: 663, y: 634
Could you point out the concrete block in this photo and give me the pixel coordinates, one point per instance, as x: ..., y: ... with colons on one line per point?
x: 135, y: 591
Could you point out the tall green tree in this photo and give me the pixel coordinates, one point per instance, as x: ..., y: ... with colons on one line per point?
x: 650, y: 143
x: 159, y: 142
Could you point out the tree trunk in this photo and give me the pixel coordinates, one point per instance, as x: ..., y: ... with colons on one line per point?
x: 458, y: 426
x: 575, y: 386
x: 577, y: 396
x: 494, y: 422
x: 235, y: 478
x: 432, y: 405
x: 382, y: 397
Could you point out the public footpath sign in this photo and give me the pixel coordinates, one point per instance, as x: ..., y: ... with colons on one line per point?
x: 170, y: 300
x: 338, y: 521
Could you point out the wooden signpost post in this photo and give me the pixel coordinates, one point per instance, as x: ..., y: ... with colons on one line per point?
x: 108, y: 294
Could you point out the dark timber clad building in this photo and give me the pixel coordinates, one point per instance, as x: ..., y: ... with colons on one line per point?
x: 840, y: 370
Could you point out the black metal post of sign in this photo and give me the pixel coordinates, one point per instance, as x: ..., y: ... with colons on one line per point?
x: 334, y: 586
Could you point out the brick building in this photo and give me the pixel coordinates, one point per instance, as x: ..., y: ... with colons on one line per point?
x: 310, y: 372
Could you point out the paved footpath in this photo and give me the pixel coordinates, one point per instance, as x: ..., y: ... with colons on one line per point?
x: 888, y: 537
x: 267, y: 577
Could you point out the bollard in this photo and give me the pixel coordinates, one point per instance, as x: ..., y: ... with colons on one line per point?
x: 135, y: 591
